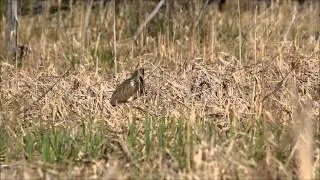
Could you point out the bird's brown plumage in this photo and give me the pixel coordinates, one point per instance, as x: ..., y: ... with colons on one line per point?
x: 129, y: 89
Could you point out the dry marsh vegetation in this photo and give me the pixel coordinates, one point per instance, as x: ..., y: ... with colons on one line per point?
x: 218, y: 105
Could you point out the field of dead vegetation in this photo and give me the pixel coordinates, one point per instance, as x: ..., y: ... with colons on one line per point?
x: 231, y: 94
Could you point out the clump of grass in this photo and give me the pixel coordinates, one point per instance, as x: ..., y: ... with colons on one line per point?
x: 148, y: 138
x: 3, y: 143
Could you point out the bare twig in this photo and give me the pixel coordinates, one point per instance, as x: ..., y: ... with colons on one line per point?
x: 282, y: 81
x: 44, y: 94
x: 278, y: 85
x: 153, y: 13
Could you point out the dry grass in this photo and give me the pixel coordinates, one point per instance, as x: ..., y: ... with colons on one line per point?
x: 206, y: 115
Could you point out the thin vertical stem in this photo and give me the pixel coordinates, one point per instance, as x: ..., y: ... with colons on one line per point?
x: 240, y: 34
x: 114, y: 39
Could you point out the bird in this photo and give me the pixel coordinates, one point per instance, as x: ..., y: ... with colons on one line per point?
x: 129, y: 89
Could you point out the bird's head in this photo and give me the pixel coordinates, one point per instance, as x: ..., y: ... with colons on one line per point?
x: 137, y: 74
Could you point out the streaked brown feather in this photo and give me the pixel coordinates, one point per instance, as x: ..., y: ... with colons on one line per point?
x: 125, y: 91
